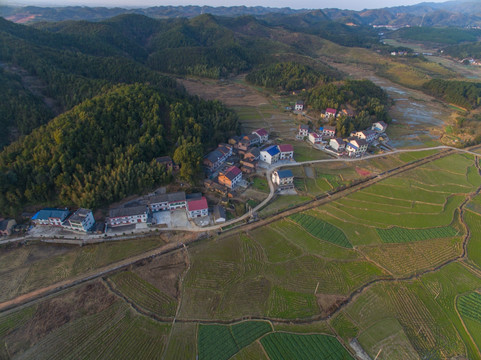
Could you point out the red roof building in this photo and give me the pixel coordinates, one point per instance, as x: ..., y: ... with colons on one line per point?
x: 197, y: 208
x: 286, y: 150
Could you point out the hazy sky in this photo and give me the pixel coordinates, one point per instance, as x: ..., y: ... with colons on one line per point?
x: 295, y: 4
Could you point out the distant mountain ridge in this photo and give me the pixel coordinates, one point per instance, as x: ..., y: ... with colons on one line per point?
x: 451, y: 13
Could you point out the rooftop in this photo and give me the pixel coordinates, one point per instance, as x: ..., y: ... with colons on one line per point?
x: 128, y: 211
x: 232, y: 172
x: 48, y: 213
x: 304, y: 127
x: 80, y: 215
x: 254, y: 151
x: 286, y: 148
x: 197, y: 204
x: 164, y: 159
x: 330, y: 111
x: 261, y: 132
x: 272, y: 150
x: 219, y: 212
x: 172, y: 197
x: 284, y: 174
x: 329, y: 128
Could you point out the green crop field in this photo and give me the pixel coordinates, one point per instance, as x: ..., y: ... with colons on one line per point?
x: 144, y: 294
x: 322, y: 229
x: 219, y: 342
x: 284, y: 346
x: 400, y: 235
x: 470, y: 306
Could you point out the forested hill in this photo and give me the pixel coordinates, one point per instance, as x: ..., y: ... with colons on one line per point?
x: 72, y: 61
x: 105, y: 148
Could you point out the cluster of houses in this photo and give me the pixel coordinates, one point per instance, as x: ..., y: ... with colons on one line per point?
x: 355, y: 145
x: 245, y: 151
x: 81, y: 220
x: 195, y: 206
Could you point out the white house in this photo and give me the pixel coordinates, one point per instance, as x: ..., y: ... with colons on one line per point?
x: 283, y: 179
x: 286, y: 152
x: 315, y: 138
x: 128, y: 215
x: 303, y: 130
x: 330, y: 113
x: 231, y: 177
x: 356, y: 147
x: 337, y: 144
x: 81, y: 220
x: 48, y: 216
x: 165, y: 202
x: 197, y: 208
x: 329, y: 131
x: 262, y: 134
x: 367, y: 135
x: 299, y: 105
x: 379, y: 126
x: 270, y: 154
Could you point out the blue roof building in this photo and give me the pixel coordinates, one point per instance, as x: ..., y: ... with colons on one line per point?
x: 270, y: 154
x: 284, y: 174
x: 50, y: 216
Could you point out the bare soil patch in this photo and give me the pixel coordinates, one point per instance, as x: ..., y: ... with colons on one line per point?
x: 53, y: 313
x: 164, y: 272
x: 328, y: 303
x: 231, y: 93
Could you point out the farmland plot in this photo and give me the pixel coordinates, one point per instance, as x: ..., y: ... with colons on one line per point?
x: 285, y: 346
x: 144, y: 294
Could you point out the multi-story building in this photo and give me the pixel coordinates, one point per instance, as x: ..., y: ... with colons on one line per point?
x: 81, y: 220
x: 286, y: 152
x: 284, y: 179
x: 128, y: 215
x: 197, y: 208
x: 270, y: 154
x: 230, y: 177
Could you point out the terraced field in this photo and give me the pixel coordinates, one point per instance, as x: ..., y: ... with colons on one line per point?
x: 144, y: 294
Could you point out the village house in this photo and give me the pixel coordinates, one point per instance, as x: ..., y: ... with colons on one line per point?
x: 346, y: 113
x: 286, y: 152
x: 253, y: 139
x: 270, y: 154
x: 219, y: 214
x: 328, y: 131
x: 81, y: 220
x: 231, y: 177
x: 166, y: 202
x: 54, y: 217
x: 283, y: 179
x: 197, y: 208
x: 253, y: 154
x: 299, y: 105
x: 217, y: 157
x: 262, y: 134
x: 379, y: 127
x: 367, y: 135
x: 337, y: 144
x: 234, y: 140
x: 167, y: 162
x: 356, y: 147
x: 315, y: 138
x: 128, y: 215
x: 6, y: 227
x: 303, y: 130
x: 330, y: 113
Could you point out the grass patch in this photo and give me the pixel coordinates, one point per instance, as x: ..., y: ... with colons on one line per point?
x: 260, y: 184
